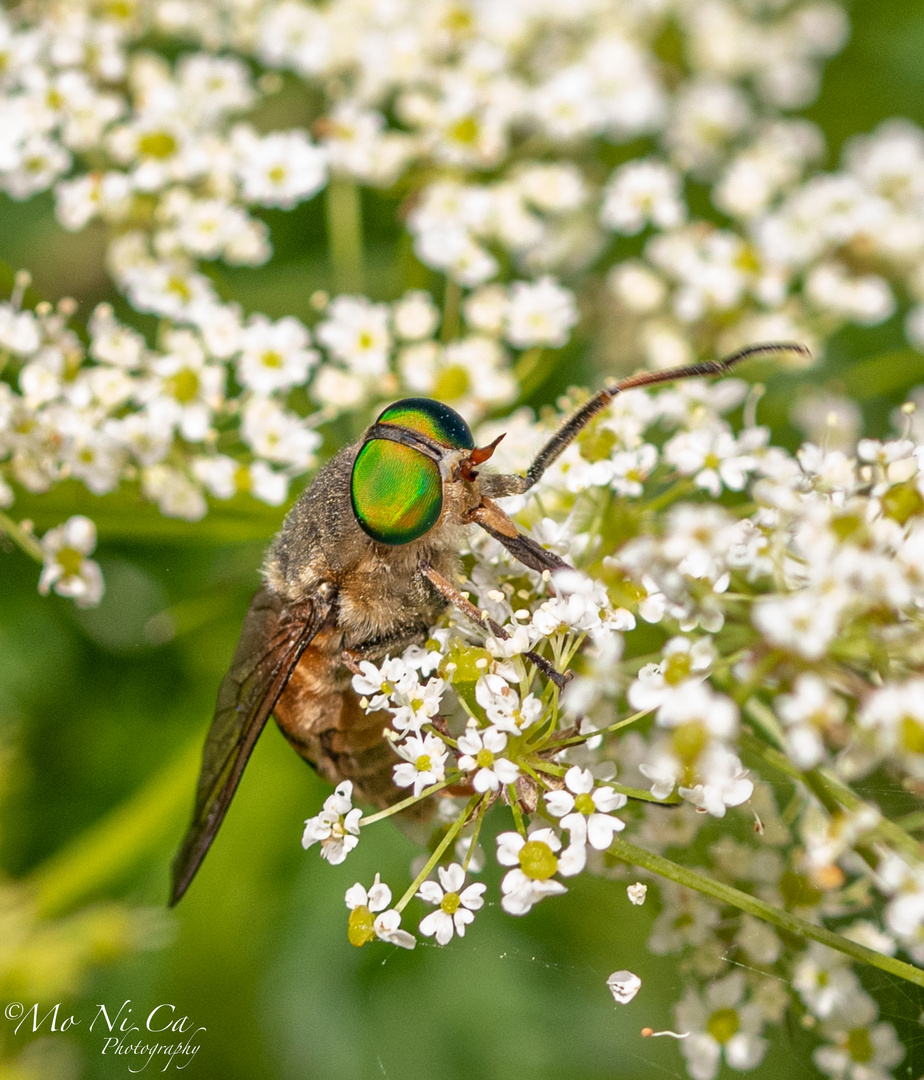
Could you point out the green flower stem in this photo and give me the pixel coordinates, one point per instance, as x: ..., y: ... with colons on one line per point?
x: 451, y: 833
x: 515, y: 810
x: 760, y: 909
x: 345, y: 234
x: 912, y: 822
x: 476, y: 832
x: 409, y: 801
x: 24, y: 540
x: 577, y: 740
x: 531, y: 370
x: 830, y: 791
x: 643, y: 794
x: 452, y: 307
x: 124, y: 837
x: 675, y: 491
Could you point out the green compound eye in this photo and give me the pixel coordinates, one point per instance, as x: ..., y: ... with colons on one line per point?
x: 396, y: 490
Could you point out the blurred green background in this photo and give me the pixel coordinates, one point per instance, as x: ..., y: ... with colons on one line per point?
x: 102, y: 715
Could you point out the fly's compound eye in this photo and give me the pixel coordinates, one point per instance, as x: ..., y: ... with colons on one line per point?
x: 396, y: 489
x: 397, y: 492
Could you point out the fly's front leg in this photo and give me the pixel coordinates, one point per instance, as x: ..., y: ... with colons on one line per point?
x: 452, y: 594
x: 391, y: 644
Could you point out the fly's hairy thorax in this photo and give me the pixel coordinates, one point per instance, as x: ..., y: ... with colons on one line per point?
x: 380, y: 589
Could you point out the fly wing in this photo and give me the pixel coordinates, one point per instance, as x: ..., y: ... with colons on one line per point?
x: 273, y: 638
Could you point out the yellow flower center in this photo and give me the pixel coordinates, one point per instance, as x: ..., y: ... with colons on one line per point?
x: 451, y: 383
x: 157, y: 144
x: 912, y: 735
x: 689, y: 740
x: 69, y: 559
x: 859, y: 1045
x: 676, y: 668
x: 537, y: 860
x: 450, y: 903
x: 361, y: 927
x: 184, y: 385
x: 464, y: 130
x: 723, y: 1024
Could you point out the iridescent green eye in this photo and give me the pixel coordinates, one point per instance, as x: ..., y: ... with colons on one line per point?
x: 397, y: 491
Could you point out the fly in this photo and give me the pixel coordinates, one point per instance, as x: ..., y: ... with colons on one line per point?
x: 362, y: 568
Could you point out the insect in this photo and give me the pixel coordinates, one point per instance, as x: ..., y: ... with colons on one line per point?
x: 361, y: 568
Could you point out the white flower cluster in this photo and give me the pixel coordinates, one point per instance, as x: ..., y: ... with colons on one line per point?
x: 216, y: 410
x: 785, y: 609
x: 116, y: 410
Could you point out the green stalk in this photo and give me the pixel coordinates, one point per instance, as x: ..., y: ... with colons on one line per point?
x: 24, y: 540
x: 760, y: 909
x: 409, y: 801
x: 345, y: 234
x: 451, y: 833
x: 676, y: 491
x: 452, y: 308
x: 829, y: 789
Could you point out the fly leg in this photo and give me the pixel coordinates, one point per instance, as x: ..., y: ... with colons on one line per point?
x: 452, y: 594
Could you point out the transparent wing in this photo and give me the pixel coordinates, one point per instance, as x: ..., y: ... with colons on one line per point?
x: 273, y: 638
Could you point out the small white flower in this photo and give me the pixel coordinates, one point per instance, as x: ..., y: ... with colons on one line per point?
x: 416, y: 703
x: 585, y: 810
x: 637, y: 893
x: 810, y: 712
x: 336, y: 827
x: 723, y: 1023
x: 356, y: 332
x: 379, y: 684
x: 388, y: 928
x: 365, y: 925
x: 700, y: 705
x: 804, y: 622
x: 642, y: 192
x: 535, y: 860
x: 425, y: 764
x: 66, y: 567
x: 281, y: 169
x: 480, y: 750
x: 859, y: 1048
x: 415, y: 316
x: 377, y: 898
x: 825, y: 981
x: 455, y: 905
x: 274, y: 356
x: 502, y: 705
x: 724, y: 781
x: 540, y: 313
